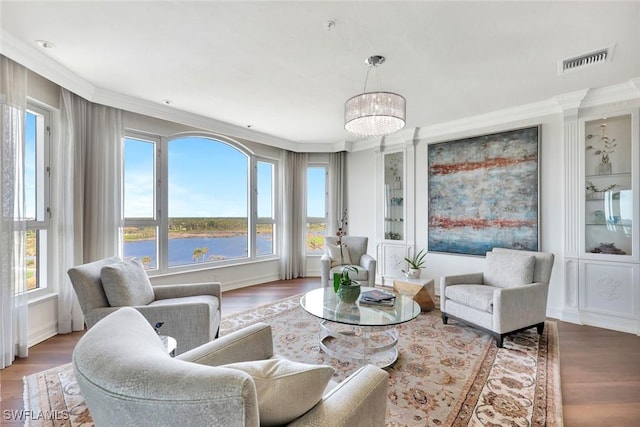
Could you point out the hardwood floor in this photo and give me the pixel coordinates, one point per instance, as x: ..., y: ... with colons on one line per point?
x: 600, y: 369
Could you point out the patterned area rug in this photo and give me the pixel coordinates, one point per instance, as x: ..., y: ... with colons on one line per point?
x: 445, y: 375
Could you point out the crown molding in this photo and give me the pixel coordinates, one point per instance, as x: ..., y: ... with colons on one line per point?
x: 160, y: 111
x: 570, y: 102
x: 619, y: 93
x: 33, y: 59
x: 36, y: 61
x: 492, y: 119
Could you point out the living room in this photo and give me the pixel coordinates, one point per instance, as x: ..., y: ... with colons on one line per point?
x: 561, y: 108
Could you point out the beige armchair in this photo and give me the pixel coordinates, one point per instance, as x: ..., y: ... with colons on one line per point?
x: 355, y: 254
x: 509, y: 296
x: 127, y: 378
x: 189, y: 312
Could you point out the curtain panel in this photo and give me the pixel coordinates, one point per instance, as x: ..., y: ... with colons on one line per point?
x: 294, y: 215
x: 87, y: 194
x: 337, y: 184
x: 13, y: 297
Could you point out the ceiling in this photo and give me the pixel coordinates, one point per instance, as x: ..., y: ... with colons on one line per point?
x: 274, y: 66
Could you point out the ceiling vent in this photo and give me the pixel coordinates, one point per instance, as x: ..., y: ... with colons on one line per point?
x: 584, y: 61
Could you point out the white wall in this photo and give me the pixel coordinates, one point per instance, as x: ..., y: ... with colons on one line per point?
x: 361, y: 199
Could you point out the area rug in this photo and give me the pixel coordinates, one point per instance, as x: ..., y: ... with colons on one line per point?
x: 445, y: 375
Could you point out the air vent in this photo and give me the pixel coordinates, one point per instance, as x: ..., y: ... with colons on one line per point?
x: 580, y: 62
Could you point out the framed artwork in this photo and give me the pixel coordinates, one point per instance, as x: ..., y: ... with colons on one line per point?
x: 483, y: 193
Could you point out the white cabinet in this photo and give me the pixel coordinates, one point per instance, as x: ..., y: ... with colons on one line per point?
x: 608, y: 277
x: 395, y: 201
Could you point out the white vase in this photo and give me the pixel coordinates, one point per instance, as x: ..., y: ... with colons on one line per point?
x: 413, y: 273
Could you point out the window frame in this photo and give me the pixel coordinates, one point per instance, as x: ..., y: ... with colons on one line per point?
x: 154, y: 221
x: 256, y: 220
x: 318, y: 220
x: 162, y: 202
x: 41, y: 224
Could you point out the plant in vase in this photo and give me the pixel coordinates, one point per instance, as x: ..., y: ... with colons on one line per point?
x: 607, y: 146
x: 416, y: 262
x: 345, y: 288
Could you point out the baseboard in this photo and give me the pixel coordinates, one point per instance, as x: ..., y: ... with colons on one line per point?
x: 43, y: 333
x: 244, y: 281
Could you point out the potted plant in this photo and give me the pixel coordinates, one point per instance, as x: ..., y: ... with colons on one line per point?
x: 416, y: 262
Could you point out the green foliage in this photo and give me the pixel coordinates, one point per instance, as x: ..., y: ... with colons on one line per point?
x: 343, y: 277
x: 418, y: 260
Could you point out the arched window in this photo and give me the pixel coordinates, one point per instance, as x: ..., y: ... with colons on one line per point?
x: 218, y: 199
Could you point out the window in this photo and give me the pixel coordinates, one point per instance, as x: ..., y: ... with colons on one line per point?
x: 316, y: 208
x: 140, y: 234
x: 207, y: 187
x: 36, y: 184
x: 265, y: 218
x: 208, y: 201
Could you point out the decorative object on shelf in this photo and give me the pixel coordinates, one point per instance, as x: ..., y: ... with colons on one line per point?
x: 598, y: 217
x: 608, y: 248
x: 606, y: 147
x: 598, y: 193
x: 496, y: 200
x: 416, y: 262
x: 392, y: 236
x: 374, y: 113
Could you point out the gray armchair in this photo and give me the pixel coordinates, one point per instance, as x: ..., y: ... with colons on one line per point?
x: 357, y: 252
x: 127, y: 378
x: 509, y: 296
x: 190, y: 312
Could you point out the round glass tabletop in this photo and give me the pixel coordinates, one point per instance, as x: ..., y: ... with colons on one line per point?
x: 324, y: 303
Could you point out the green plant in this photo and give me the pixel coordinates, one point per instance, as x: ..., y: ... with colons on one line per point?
x: 418, y: 260
x: 343, y: 278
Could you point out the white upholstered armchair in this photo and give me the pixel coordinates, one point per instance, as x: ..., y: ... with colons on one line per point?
x: 190, y: 313
x: 354, y: 254
x: 128, y: 378
x: 509, y: 296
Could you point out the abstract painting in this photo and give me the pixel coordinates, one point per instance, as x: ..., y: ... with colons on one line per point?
x: 483, y: 193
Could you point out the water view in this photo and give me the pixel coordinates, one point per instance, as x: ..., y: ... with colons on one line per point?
x: 191, y: 250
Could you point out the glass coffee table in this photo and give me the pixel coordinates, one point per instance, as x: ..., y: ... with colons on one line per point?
x: 358, y: 332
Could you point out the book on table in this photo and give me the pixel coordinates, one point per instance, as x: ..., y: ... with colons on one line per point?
x: 377, y: 297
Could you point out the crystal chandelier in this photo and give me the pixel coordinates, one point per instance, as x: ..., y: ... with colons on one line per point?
x: 374, y: 113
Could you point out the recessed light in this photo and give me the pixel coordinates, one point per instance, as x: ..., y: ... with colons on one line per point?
x: 167, y: 101
x: 45, y: 44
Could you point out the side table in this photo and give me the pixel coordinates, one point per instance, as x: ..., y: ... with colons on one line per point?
x: 422, y: 290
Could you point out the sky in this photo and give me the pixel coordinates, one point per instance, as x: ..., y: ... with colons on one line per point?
x: 30, y: 167
x: 206, y: 179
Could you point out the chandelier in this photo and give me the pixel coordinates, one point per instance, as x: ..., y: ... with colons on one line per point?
x: 374, y: 113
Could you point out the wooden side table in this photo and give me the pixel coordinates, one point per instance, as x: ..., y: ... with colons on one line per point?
x: 422, y: 290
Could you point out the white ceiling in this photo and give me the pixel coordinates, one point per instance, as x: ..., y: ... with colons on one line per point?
x: 273, y: 65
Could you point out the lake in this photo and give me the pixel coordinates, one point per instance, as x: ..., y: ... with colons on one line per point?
x: 181, y: 250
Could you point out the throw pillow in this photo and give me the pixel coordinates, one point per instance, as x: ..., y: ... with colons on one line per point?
x: 126, y: 283
x: 285, y: 389
x: 334, y: 254
x: 506, y: 270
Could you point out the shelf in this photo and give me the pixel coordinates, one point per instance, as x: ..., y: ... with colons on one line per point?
x: 611, y: 175
x: 609, y: 225
x: 394, y: 219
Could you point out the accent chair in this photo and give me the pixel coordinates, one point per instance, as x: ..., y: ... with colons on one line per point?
x: 354, y: 254
x: 190, y: 313
x: 128, y: 378
x: 509, y: 296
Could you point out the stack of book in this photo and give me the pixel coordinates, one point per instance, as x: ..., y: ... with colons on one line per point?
x: 377, y: 297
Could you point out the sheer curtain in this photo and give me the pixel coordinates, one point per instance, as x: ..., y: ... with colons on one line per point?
x: 13, y: 297
x: 337, y: 185
x: 294, y: 179
x: 87, y: 194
